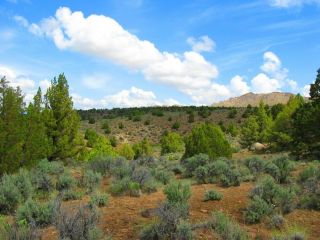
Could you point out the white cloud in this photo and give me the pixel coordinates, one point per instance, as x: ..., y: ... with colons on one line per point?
x: 264, y: 84
x: 292, y: 3
x: 292, y: 84
x: 133, y: 97
x: 44, y: 84
x: 202, y: 44
x: 103, y: 37
x: 306, y: 91
x: 273, y: 67
x: 238, y: 86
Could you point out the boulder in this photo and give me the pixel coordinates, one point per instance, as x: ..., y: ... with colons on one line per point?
x: 258, y: 147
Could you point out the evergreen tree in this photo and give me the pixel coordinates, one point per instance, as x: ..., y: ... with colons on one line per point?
x: 265, y: 121
x: 62, y: 120
x: 250, y: 131
x: 11, y: 127
x: 37, y: 145
x: 315, y: 89
x: 208, y: 139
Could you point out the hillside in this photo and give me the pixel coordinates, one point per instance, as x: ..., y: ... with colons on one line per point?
x: 254, y: 99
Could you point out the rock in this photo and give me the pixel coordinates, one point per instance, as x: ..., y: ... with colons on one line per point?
x: 204, y: 211
x: 257, y: 147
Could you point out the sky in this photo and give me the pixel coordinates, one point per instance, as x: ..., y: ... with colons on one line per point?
x: 127, y: 53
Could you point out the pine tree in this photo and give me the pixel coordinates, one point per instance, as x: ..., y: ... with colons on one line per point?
x: 315, y: 89
x: 62, y: 120
x: 264, y: 121
x: 11, y: 127
x: 37, y: 144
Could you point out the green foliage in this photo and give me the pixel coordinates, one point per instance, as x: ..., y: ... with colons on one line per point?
x: 65, y: 181
x: 192, y: 163
x: 91, y: 136
x: 256, y: 165
x: 19, y: 231
x: 284, y: 166
x: 171, y: 142
x: 99, y: 199
x: 163, y: 176
x: 105, y: 126
x: 10, y: 196
x: 233, y: 130
x: 177, y: 193
x: 101, y: 148
x: 212, y: 195
x: 201, y: 174
x: 276, y: 221
x: 191, y: 117
x: 92, y: 120
x: 37, y: 144
x: 231, y: 177
x: 257, y: 209
x: 208, y: 139
x: 232, y: 113
x: 12, y: 127
x: 147, y: 122
x: 282, y: 127
x: 22, y: 181
x: 315, y: 89
x: 176, y: 125
x: 71, y: 195
x: 250, y: 131
x: 62, y: 121
x: 125, y: 150
x: 121, y: 126
x: 36, y: 213
x: 142, y: 149
x: 91, y: 180
x: 226, y: 228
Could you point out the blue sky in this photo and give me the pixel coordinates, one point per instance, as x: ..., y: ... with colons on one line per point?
x: 146, y: 52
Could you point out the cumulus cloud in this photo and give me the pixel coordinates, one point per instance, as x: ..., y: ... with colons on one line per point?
x: 292, y: 3
x: 103, y: 37
x: 306, y: 91
x: 202, y: 44
x: 95, y: 81
x: 238, y: 86
x: 264, y: 84
x: 27, y: 85
x: 133, y: 97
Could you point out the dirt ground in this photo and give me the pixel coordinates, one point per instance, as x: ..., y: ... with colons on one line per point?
x: 122, y: 217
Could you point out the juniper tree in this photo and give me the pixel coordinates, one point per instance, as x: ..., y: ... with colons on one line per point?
x: 11, y: 127
x: 315, y: 89
x: 62, y: 120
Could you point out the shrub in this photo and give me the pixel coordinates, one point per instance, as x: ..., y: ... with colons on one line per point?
x: 212, y: 195
x: 232, y: 113
x: 91, y: 136
x: 71, y: 195
x: 177, y: 193
x: 209, y: 139
x: 310, y: 172
x: 171, y: 142
x: 184, y: 232
x: 121, y: 126
x: 149, y: 187
x: 65, y: 181
x: 106, y: 127
x: 169, y: 119
x: 141, y: 175
x: 217, y: 168
x: 201, y: 174
x: 163, y: 176
x: 92, y: 121
x: 191, y: 118
x: 99, y: 200
x: 257, y: 209
x: 276, y: 221
x: 231, y: 177
x: 293, y: 233
x: 36, y: 213
x: 101, y: 165
x: 125, y: 186
x: 126, y: 151
x: 91, y: 180
x: 256, y: 165
x: 113, y: 141
x: 43, y: 181
x: 192, y: 163
x: 147, y: 122
x: 285, y: 167
x: 142, y: 149
x: 266, y: 189
x: 20, y: 231
x: 10, y: 195
x: 79, y: 223
x: 52, y: 168
x: 175, y: 125
x: 22, y: 181
x: 226, y: 228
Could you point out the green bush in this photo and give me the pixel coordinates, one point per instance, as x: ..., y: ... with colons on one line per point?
x: 142, y: 149
x: 91, y: 180
x: 171, y: 142
x: 201, y: 174
x: 226, y: 228
x: 256, y: 165
x: 163, y: 176
x: 192, y: 163
x: 23, y: 182
x: 71, y: 195
x: 65, y: 181
x: 212, y: 195
x: 126, y: 151
x: 19, y: 231
x: 147, y: 122
x: 285, y: 167
x: 257, y: 209
x: 101, y: 165
x: 106, y: 127
x: 175, y: 125
x: 120, y: 125
x: 92, y: 120
x: 276, y: 221
x: 208, y: 139
x: 177, y: 193
x: 10, y: 196
x: 99, y: 200
x: 91, y: 136
x: 184, y: 231
x: 52, y: 168
x: 36, y: 213
x: 149, y: 187
x: 231, y: 177
x: 232, y: 113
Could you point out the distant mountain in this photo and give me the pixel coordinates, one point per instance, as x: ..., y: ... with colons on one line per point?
x: 254, y: 99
